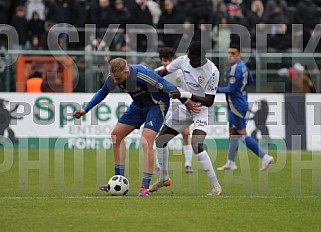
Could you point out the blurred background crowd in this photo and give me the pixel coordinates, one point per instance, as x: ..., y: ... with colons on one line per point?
x: 32, y: 19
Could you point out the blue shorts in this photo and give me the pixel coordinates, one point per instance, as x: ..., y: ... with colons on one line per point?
x: 152, y: 116
x: 237, y: 122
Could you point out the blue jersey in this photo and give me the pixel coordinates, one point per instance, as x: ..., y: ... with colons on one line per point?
x: 144, y: 85
x: 238, y: 77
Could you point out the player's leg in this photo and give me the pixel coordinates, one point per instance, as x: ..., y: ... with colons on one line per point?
x: 147, y: 141
x: 188, y: 151
x: 252, y: 144
x: 198, y: 138
x: 132, y: 119
x: 165, y: 135
x: 176, y: 121
x: 153, y: 122
x: 232, y: 150
x: 118, y: 134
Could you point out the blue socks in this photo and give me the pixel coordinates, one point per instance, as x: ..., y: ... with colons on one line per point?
x: 146, y: 179
x: 253, y: 145
x: 233, y: 147
x: 120, y: 169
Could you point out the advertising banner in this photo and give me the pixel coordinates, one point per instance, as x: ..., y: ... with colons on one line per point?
x: 30, y: 115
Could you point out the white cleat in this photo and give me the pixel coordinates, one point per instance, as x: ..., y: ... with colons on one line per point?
x: 227, y: 166
x: 216, y: 191
x: 266, y: 161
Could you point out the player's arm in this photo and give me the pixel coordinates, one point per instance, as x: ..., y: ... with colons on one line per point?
x: 162, y: 71
x: 161, y: 85
x: 207, y: 101
x: 229, y: 88
x: 97, y: 98
x: 210, y: 91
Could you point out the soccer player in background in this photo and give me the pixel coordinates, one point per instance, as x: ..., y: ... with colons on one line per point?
x: 166, y: 56
x: 150, y: 94
x: 238, y: 77
x: 201, y: 77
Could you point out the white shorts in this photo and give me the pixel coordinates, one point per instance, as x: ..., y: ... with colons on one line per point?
x: 179, y: 118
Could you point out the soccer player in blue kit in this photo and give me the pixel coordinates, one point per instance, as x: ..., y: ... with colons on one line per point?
x: 238, y: 77
x: 150, y: 94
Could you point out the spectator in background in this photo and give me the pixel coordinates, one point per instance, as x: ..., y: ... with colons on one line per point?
x: 221, y: 12
x: 182, y: 10
x: 101, y: 14
x: 35, y: 43
x: 64, y: 11
x: 255, y: 14
x: 276, y: 12
x: 168, y: 17
x: 155, y: 10
x: 34, y: 83
x: 99, y: 61
x: 239, y: 18
x: 301, y: 83
x: 35, y: 6
x: 121, y: 14
x: 142, y: 15
x: 259, y: 36
x: 280, y: 40
x: 5, y: 15
x: 19, y: 22
x: 307, y: 14
x: 221, y: 36
x: 36, y: 26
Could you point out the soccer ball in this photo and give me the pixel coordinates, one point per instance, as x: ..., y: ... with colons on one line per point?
x: 118, y: 185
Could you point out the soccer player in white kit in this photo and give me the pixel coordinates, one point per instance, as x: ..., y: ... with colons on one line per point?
x: 201, y: 77
x: 166, y: 56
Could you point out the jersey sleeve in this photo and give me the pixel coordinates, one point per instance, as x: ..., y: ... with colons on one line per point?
x: 231, y: 86
x: 101, y: 94
x: 156, y: 83
x: 211, y: 86
x: 175, y: 64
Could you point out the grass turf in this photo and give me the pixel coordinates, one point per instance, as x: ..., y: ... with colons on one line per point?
x: 57, y: 190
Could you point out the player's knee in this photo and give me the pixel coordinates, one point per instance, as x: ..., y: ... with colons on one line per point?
x: 197, y: 147
x: 161, y: 141
x: 116, y: 137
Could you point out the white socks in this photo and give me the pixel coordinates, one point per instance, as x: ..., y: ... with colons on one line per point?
x: 162, y: 156
x: 188, y: 152
x: 207, y: 166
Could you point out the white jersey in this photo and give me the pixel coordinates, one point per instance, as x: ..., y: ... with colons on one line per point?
x: 199, y: 81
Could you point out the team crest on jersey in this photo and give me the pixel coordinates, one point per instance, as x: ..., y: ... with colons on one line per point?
x: 201, y: 79
x: 159, y: 86
x: 211, y: 87
x: 232, y: 80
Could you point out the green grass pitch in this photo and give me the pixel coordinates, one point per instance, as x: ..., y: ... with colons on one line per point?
x: 57, y: 190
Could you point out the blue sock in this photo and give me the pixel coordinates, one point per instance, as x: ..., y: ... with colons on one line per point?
x: 254, y: 146
x: 232, y: 148
x: 120, y: 169
x: 146, y: 179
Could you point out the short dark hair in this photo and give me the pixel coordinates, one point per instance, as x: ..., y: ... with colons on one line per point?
x: 235, y: 46
x: 166, y: 53
x: 197, y: 49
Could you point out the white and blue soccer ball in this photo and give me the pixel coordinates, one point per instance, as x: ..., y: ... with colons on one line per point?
x: 118, y: 185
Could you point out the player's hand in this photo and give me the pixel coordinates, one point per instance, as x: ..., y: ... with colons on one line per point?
x: 193, y: 106
x: 79, y: 113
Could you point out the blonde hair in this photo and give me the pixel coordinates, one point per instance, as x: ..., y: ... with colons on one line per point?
x: 117, y: 65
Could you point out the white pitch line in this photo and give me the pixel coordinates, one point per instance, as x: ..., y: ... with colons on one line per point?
x: 157, y: 197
